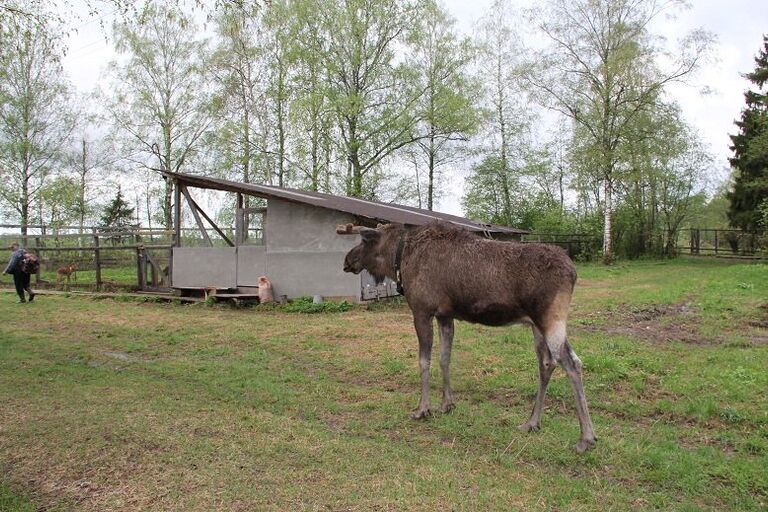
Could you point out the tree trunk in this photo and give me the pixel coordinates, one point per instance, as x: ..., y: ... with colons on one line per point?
x: 431, y: 170
x: 246, y: 150
x: 607, y: 217
x: 168, y: 199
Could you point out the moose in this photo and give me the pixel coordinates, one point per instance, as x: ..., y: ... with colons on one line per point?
x: 66, y: 272
x: 447, y: 272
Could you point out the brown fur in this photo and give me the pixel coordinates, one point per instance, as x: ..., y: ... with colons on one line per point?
x: 450, y: 273
x: 67, y: 272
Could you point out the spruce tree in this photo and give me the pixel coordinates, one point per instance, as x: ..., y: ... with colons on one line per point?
x: 117, y: 217
x: 750, y: 150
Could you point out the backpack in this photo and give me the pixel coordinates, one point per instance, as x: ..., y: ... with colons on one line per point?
x: 30, y: 264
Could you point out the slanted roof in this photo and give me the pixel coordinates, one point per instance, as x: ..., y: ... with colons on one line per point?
x: 373, y: 210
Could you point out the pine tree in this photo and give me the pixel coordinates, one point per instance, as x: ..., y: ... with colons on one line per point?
x: 117, y: 217
x: 750, y: 149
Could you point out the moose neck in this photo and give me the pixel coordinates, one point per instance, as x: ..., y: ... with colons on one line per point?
x: 398, y: 262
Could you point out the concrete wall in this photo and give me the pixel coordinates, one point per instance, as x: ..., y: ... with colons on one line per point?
x: 251, y: 264
x: 204, y: 267
x: 303, y: 256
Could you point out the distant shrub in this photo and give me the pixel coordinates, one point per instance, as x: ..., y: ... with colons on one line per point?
x: 305, y: 305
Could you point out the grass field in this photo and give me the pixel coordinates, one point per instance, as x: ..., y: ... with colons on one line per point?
x: 112, y: 278
x: 116, y: 405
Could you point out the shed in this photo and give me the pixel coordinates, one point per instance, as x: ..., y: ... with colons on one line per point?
x: 294, y: 243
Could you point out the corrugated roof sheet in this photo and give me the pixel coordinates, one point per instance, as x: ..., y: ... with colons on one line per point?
x: 374, y: 210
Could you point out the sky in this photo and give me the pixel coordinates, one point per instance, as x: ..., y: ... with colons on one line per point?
x: 738, y: 24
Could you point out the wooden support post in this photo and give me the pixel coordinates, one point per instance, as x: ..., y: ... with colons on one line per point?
x: 716, y: 242
x: 177, y: 214
x: 239, y: 225
x: 196, y: 208
x: 140, y: 263
x: 37, y: 253
x: 154, y: 268
x: 169, y: 282
x: 691, y: 241
x: 97, y: 261
x: 193, y: 206
x: 176, y: 242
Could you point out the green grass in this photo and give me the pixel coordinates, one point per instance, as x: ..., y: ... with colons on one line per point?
x: 112, y: 405
x: 10, y: 501
x: 118, y: 276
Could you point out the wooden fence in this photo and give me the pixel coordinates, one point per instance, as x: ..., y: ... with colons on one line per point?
x: 583, y: 247
x: 141, y: 249
x: 727, y: 243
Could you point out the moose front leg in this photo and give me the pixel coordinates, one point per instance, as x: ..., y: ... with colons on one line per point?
x: 423, y: 324
x: 446, y: 341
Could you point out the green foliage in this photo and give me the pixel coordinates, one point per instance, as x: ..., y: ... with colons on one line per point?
x: 160, y: 102
x: 306, y: 305
x: 36, y: 111
x: 750, y: 149
x: 597, y: 49
x: 61, y: 201
x: 117, y: 215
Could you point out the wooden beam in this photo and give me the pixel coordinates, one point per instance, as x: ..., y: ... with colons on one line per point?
x: 192, y: 206
x: 196, y: 206
x: 97, y: 261
x: 177, y: 214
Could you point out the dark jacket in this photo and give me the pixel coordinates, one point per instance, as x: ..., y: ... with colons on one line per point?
x: 14, y: 264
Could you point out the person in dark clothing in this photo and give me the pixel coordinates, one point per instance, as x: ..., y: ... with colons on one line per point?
x: 20, y: 278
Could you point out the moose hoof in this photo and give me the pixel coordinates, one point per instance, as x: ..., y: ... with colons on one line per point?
x: 447, y: 408
x: 585, y: 444
x: 421, y: 414
x: 529, y: 427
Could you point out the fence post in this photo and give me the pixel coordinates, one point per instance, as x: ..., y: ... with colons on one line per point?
x: 37, y: 253
x: 140, y: 266
x: 97, y: 261
x: 716, y: 244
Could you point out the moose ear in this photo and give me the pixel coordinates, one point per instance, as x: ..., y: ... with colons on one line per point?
x: 370, y: 235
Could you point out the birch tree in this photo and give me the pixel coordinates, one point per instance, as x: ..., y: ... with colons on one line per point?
x: 36, y: 119
x: 243, y: 126
x: 160, y: 98
x: 373, y: 96
x: 507, y: 134
x: 448, y: 108
x: 603, y: 67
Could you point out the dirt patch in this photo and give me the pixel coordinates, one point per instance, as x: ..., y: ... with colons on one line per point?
x: 660, y: 323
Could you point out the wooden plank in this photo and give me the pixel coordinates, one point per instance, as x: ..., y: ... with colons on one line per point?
x: 235, y: 295
x: 37, y: 253
x: 112, y: 295
x: 177, y: 214
x: 104, y: 248
x: 97, y: 260
x: 195, y: 206
x: 196, y: 214
x: 140, y: 268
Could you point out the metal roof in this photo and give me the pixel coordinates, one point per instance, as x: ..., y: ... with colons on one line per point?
x: 374, y: 210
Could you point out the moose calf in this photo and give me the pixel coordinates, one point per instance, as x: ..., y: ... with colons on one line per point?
x: 66, y: 272
x: 448, y: 273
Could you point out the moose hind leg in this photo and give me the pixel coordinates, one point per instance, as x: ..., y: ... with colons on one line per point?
x: 546, y: 367
x: 423, y: 325
x: 446, y: 342
x: 572, y: 366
